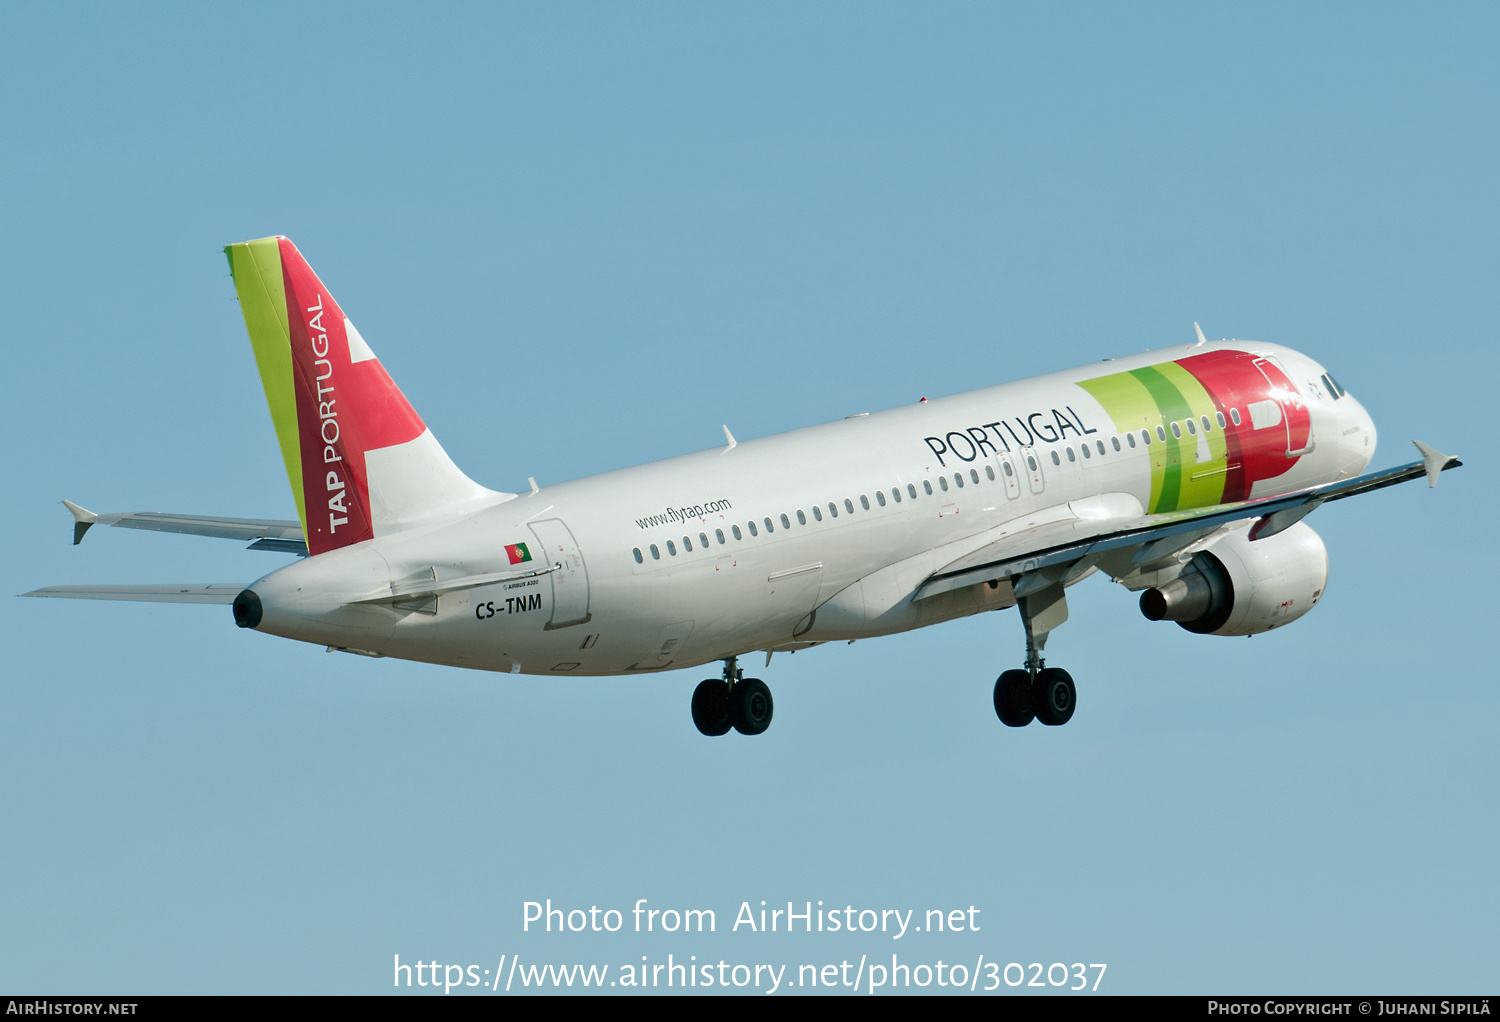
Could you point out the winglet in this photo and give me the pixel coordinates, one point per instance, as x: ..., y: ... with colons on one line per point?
x: 82, y: 519
x: 1434, y: 461
x: 1199, y: 331
x: 730, y: 437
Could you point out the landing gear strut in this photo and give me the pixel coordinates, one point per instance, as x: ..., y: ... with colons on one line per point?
x: 1039, y: 692
x: 732, y: 701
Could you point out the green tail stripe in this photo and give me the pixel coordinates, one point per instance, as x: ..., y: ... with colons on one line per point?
x: 256, y: 268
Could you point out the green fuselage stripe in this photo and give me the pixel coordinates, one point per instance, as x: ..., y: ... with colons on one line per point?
x: 1201, y: 478
x: 1132, y: 409
x: 1167, y: 457
x: 1187, y: 471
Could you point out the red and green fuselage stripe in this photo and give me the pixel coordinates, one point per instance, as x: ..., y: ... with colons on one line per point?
x: 1206, y: 466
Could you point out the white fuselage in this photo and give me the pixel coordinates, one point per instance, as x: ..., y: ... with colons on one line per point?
x: 718, y: 553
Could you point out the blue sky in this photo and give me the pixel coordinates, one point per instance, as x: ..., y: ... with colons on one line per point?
x: 614, y: 228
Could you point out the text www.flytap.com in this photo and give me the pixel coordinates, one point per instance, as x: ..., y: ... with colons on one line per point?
x: 513, y: 974
x: 684, y: 514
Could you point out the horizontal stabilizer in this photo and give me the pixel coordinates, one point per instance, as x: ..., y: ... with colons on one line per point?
x: 217, y: 592
x: 287, y: 535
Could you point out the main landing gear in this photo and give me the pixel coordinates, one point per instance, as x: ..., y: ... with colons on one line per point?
x: 1039, y: 692
x: 732, y: 701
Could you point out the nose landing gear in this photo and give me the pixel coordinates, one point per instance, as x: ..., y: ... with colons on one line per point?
x: 732, y: 701
x: 1039, y: 692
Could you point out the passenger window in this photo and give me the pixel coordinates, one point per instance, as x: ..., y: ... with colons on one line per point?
x: 687, y: 545
x: 1130, y: 439
x: 974, y: 476
x: 833, y: 509
x: 1071, y: 455
x: 1192, y: 427
x: 1055, y: 459
x: 786, y: 523
x: 736, y: 530
x: 1161, y: 434
x: 989, y: 472
x: 655, y: 553
x: 927, y: 485
x: 1208, y: 427
x: 769, y: 527
x: 1234, y: 416
x: 638, y: 558
x: 943, y: 483
x: 817, y: 513
x: 1031, y: 462
x: 864, y: 502
x: 880, y: 497
x: 1219, y: 417
x: 671, y: 548
x: 1101, y: 445
x: 1116, y: 442
x: 751, y: 526
x: 719, y: 534
x: 910, y: 489
x: 801, y: 518
x: 848, y: 505
x: 703, y: 538
x: 1176, y: 431
x: 1006, y: 466
x: 896, y: 493
x: 1085, y: 449
x: 1146, y: 436
x: 958, y: 477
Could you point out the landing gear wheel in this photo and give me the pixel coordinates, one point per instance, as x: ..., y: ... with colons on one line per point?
x: 711, y: 707
x: 750, y: 706
x: 1055, y: 697
x: 1013, y: 699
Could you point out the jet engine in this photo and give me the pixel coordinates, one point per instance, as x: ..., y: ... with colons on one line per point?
x: 1240, y: 586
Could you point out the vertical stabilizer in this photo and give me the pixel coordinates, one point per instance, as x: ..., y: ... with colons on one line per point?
x: 360, y: 460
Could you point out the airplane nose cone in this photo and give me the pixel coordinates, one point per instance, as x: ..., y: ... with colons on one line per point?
x: 1358, y: 440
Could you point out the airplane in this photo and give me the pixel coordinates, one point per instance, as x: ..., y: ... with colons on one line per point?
x: 1182, y: 474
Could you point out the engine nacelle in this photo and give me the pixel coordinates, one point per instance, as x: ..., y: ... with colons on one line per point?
x: 1242, y: 587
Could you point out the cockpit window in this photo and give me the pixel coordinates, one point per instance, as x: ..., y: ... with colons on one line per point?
x: 1333, y: 386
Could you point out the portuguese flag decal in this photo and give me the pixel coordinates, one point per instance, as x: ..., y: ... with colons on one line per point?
x: 517, y: 552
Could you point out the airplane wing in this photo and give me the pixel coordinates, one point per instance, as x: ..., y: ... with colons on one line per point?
x: 218, y: 592
x: 264, y: 534
x: 1065, y: 544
